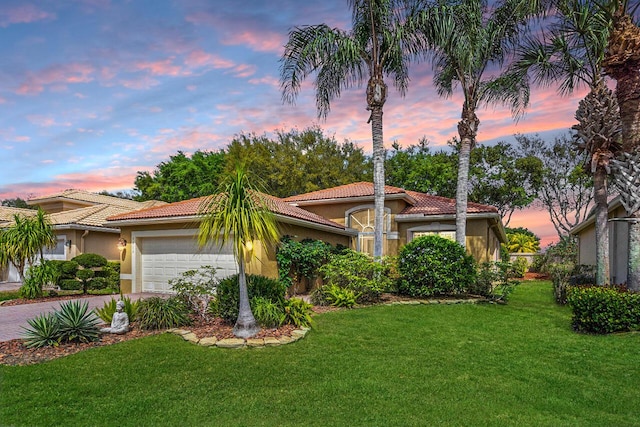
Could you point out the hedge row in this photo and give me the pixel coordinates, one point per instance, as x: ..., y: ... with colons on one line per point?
x: 603, y: 310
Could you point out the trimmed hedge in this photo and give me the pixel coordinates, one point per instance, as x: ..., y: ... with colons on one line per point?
x: 70, y: 285
x: 432, y: 265
x: 90, y: 260
x: 603, y: 310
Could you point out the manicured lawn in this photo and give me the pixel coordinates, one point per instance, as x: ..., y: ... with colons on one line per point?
x: 470, y: 365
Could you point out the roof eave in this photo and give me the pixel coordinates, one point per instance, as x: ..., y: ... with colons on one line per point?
x: 316, y: 226
x: 395, y: 196
x: 85, y: 227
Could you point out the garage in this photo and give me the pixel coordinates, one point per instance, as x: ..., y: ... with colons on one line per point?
x: 165, y: 258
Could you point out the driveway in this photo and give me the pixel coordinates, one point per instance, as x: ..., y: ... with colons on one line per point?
x: 13, y: 318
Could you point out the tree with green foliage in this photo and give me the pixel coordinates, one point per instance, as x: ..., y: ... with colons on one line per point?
x: 298, y: 162
x: 21, y: 243
x: 17, y: 203
x: 418, y: 168
x: 181, y: 177
x: 469, y: 41
x: 566, y: 190
x: 239, y: 214
x: 571, y: 54
x: 378, y: 45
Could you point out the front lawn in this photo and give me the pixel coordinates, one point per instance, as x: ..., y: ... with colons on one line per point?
x: 475, y: 365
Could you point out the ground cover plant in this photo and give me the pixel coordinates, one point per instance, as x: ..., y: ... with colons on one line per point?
x: 466, y: 364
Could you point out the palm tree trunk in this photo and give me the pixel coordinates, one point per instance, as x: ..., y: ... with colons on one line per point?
x: 246, y: 325
x: 602, y: 230
x: 378, y: 180
x: 633, y: 272
x: 462, y: 191
x: 628, y: 96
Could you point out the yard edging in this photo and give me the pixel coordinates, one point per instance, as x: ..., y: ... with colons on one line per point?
x: 187, y: 335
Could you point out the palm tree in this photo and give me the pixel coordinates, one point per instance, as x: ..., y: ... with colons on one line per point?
x: 378, y: 45
x: 469, y: 41
x: 571, y: 54
x: 522, y: 243
x: 239, y: 214
x: 622, y: 63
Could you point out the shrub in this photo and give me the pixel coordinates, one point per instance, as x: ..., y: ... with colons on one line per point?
x: 486, y: 276
x: 602, y: 310
x: 432, y: 265
x: 519, y: 266
x: 340, y: 297
x: 90, y: 260
x: 98, y: 283
x: 77, y: 322
x: 300, y: 260
x: 68, y: 269
x: 358, y: 272
x: 111, y: 274
x: 560, y: 273
x: 44, y: 331
x: 228, y: 294
x: 297, y: 312
x: 106, y: 312
x: 161, y: 313
x: 36, y: 278
x: 85, y: 276
x: 70, y: 285
x: 266, y: 312
x: 197, y: 288
x: 583, y: 275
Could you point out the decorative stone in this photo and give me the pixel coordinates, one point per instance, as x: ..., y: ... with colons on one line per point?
x: 191, y: 337
x: 208, y: 341
x: 231, y: 343
x: 255, y: 342
x: 286, y: 340
x: 270, y: 341
x: 179, y: 331
x: 301, y: 333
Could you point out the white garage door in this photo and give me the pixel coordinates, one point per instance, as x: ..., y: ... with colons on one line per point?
x: 165, y: 258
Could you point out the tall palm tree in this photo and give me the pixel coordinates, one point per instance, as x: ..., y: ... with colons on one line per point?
x: 378, y: 45
x: 240, y: 215
x: 571, y: 55
x: 469, y: 41
x: 622, y: 63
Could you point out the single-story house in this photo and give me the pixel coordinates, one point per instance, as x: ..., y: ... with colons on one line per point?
x: 585, y: 232
x: 79, y: 222
x: 161, y: 240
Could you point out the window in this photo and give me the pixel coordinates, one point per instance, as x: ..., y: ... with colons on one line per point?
x: 451, y: 235
x: 363, y: 220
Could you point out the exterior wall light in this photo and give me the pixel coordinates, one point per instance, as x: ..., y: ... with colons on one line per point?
x: 122, y: 244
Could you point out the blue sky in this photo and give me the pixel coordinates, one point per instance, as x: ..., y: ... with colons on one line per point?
x: 92, y: 91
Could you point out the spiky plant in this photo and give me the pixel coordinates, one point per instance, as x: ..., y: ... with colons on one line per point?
x: 77, y: 322
x: 44, y: 331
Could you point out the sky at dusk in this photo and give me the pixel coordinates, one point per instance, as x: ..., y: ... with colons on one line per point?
x: 92, y: 91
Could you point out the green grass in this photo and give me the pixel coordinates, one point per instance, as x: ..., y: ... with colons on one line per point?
x: 471, y: 365
x: 7, y: 295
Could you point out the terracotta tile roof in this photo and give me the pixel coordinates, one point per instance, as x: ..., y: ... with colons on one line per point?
x: 427, y: 204
x: 192, y: 207
x: 93, y: 216
x: 7, y: 213
x: 358, y: 189
x: 95, y: 199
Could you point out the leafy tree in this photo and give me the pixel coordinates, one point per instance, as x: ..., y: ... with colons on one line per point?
x: 17, y: 203
x: 182, y: 177
x: 469, y: 41
x: 239, y: 215
x: 121, y: 194
x: 417, y: 168
x: 566, y: 190
x: 299, y: 162
x: 21, y: 243
x: 377, y: 46
x: 571, y: 54
x: 522, y: 243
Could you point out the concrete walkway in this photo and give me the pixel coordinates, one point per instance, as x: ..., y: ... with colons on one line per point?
x: 13, y: 318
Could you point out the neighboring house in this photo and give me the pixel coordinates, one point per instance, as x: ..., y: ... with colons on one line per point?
x: 618, y: 241
x: 162, y: 240
x: 79, y: 222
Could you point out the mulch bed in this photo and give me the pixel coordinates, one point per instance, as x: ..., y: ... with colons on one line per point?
x: 20, y: 301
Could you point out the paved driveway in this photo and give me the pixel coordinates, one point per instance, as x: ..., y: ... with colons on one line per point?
x: 14, y: 317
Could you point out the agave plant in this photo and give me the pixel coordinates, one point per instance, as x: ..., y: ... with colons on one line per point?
x: 77, y: 323
x: 44, y: 331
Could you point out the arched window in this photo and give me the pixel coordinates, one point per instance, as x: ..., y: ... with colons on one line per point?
x: 362, y: 218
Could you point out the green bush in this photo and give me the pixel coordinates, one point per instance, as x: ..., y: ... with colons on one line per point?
x: 228, y: 294
x: 486, y: 276
x: 267, y: 313
x: 111, y: 272
x: 297, y: 312
x: 44, y: 331
x: 98, y: 283
x: 359, y: 273
x: 38, y: 276
x: 85, y: 276
x: 161, y: 313
x: 520, y: 266
x: 340, y: 297
x: 197, y: 288
x: 300, y: 260
x: 604, y: 309
x: 77, y: 323
x: 68, y: 269
x: 109, y: 308
x: 90, y: 260
x: 432, y: 265
x: 70, y: 285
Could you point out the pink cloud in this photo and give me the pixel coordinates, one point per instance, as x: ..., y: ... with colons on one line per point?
x: 160, y: 68
x: 200, y: 58
x: 44, y: 121
x: 244, y: 70
x: 71, y: 73
x: 23, y: 14
x: 140, y: 83
x: 258, y: 41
